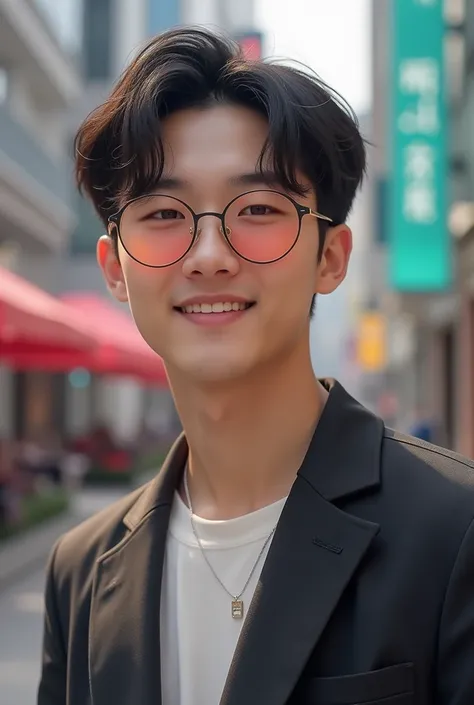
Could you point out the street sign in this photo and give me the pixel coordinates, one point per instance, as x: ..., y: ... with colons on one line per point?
x: 419, y: 241
x: 251, y: 44
x: 371, y: 341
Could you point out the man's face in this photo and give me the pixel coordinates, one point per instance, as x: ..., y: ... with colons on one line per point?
x: 207, y: 150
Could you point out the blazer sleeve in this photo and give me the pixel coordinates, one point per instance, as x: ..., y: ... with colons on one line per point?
x: 52, y: 685
x: 455, y: 672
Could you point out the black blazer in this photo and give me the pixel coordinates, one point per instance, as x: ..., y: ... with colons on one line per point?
x: 366, y: 596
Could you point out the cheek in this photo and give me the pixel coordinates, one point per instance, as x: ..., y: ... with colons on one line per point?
x: 146, y: 287
x: 293, y: 278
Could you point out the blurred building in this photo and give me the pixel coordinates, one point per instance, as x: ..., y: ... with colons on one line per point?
x: 230, y: 15
x: 455, y: 343
x: 430, y: 322
x: 39, y: 82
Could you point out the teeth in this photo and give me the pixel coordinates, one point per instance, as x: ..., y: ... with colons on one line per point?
x: 218, y: 307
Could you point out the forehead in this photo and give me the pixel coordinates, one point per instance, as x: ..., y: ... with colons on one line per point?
x: 219, y: 140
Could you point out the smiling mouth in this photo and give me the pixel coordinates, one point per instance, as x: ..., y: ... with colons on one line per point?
x: 218, y: 307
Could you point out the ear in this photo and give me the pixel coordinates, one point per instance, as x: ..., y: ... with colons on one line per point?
x: 332, y: 268
x: 109, y: 263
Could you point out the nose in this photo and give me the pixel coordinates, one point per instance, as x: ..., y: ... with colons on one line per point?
x: 210, y: 254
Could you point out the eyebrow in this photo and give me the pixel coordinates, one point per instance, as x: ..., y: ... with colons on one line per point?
x: 255, y: 178
x: 269, y: 178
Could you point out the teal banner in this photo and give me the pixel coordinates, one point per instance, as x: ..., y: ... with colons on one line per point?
x: 419, y: 240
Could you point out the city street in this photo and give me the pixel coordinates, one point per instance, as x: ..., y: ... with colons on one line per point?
x: 21, y: 617
x: 21, y: 620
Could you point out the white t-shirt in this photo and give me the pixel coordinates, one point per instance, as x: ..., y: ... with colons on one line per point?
x: 198, y: 634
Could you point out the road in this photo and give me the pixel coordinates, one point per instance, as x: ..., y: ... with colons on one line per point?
x: 21, y: 624
x: 21, y: 620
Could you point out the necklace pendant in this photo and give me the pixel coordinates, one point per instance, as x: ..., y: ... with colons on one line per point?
x: 237, y: 609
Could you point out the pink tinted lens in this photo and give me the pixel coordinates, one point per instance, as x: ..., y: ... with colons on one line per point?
x: 156, y: 230
x: 262, y: 226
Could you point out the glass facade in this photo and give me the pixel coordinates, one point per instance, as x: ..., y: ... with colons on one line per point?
x: 97, y: 40
x: 88, y: 230
x: 64, y: 20
x: 162, y: 14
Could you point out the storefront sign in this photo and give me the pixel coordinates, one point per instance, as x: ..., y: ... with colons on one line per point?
x: 251, y: 44
x: 371, y: 343
x: 419, y: 241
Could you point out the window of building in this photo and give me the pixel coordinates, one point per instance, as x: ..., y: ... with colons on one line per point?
x: 97, y: 39
x: 4, y: 85
x: 63, y: 19
x: 455, y: 11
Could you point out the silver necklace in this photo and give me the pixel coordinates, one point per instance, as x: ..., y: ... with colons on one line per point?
x: 237, y: 604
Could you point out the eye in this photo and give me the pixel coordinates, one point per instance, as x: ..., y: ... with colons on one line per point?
x: 257, y: 209
x: 167, y: 214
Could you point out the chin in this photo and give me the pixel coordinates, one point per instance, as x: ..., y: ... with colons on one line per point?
x: 213, y: 369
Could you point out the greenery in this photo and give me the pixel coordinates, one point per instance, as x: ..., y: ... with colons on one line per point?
x: 98, y: 477
x: 39, y: 507
x: 151, y: 461
x: 36, y: 509
x: 142, y: 465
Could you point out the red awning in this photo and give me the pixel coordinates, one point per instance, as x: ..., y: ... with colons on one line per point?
x: 39, y: 332
x: 121, y: 349
x: 30, y: 318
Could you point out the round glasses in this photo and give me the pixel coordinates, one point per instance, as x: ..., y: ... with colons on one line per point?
x: 260, y: 226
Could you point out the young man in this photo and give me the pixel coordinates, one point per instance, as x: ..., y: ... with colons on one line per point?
x: 292, y: 549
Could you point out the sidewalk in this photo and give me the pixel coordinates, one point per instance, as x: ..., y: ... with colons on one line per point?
x: 28, y: 552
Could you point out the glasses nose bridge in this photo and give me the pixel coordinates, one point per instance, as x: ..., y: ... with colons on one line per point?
x: 219, y: 216
x: 198, y: 216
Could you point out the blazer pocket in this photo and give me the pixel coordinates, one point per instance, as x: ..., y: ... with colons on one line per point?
x: 388, y: 686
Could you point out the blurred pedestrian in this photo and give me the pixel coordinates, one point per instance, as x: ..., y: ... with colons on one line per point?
x: 292, y: 549
x: 423, y: 426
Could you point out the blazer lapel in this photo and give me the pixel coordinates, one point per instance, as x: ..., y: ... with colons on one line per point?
x: 316, y: 551
x: 124, y: 628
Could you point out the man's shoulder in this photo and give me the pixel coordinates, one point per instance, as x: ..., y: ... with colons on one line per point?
x: 431, y: 475
x: 444, y: 461
x: 77, y: 551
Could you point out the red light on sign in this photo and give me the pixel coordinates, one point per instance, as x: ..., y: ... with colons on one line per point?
x: 251, y: 46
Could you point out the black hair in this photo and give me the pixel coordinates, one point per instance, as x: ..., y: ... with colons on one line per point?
x: 119, y: 151
x: 311, y: 129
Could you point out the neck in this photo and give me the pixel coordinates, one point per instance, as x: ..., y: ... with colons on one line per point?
x: 248, y: 439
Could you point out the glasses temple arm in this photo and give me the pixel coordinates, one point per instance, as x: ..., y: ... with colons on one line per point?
x: 320, y: 216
